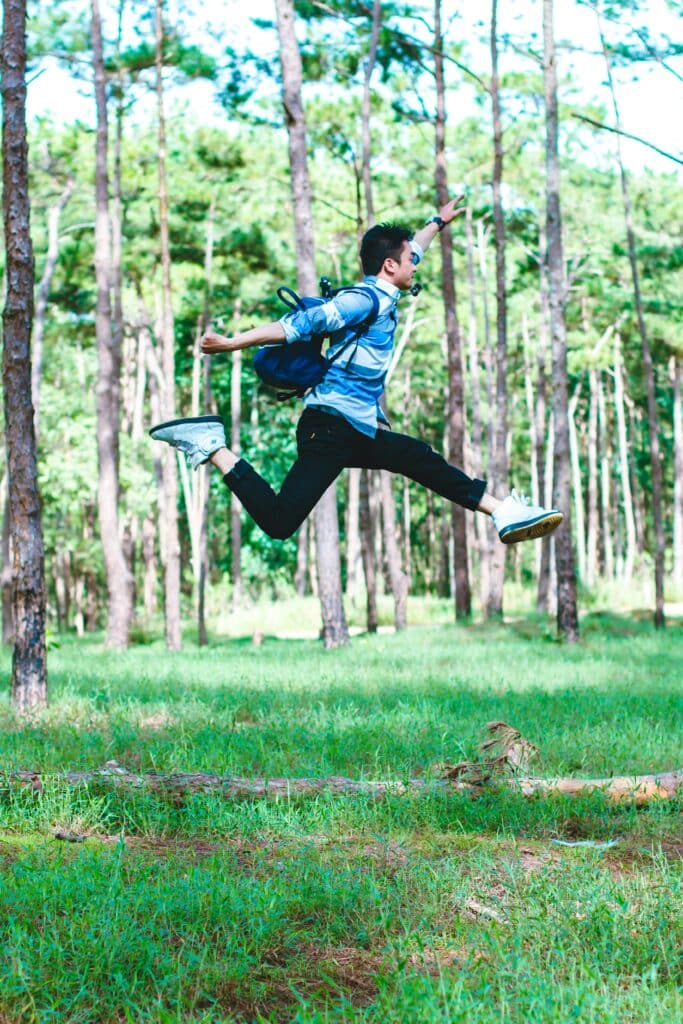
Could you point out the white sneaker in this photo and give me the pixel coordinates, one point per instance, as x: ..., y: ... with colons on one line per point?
x: 517, y: 519
x: 198, y: 437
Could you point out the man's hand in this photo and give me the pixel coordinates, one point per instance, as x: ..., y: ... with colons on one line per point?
x: 212, y: 343
x: 452, y: 208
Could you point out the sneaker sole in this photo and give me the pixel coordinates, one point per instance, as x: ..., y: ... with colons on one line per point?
x: 187, y: 419
x: 533, y: 530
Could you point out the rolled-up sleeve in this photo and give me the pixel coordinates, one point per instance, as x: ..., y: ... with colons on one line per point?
x: 417, y: 251
x: 344, y: 310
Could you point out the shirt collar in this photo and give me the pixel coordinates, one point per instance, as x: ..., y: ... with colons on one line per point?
x: 384, y: 286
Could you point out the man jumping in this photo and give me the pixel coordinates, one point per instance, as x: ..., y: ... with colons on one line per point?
x: 342, y: 424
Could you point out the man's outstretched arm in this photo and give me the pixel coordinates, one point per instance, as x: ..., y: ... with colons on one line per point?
x: 268, y: 334
x: 448, y: 212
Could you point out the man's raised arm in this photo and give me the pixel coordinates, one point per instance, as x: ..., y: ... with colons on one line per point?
x: 448, y: 212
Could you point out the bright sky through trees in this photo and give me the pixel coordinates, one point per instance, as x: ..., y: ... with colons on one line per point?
x: 648, y: 93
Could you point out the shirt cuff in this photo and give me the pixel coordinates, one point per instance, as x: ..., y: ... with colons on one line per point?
x: 289, y: 329
x: 417, y: 251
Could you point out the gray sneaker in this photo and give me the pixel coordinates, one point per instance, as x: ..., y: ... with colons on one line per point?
x: 198, y: 437
x: 517, y: 519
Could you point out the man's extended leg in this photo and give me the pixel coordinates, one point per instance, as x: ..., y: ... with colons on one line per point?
x: 514, y: 519
x: 320, y: 460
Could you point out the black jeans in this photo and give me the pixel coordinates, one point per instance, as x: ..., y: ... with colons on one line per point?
x: 326, y: 445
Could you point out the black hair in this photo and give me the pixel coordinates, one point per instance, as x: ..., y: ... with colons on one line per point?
x: 383, y: 241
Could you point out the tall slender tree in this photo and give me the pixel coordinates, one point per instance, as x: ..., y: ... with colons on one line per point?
x: 119, y: 577
x: 498, y: 467
x: 677, y: 384
x: 335, y: 630
x: 650, y: 383
x: 29, y: 661
x: 169, y: 504
x: 456, y: 391
x: 567, y: 612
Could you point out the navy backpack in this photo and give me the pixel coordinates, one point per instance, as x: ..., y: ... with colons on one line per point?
x: 294, y: 368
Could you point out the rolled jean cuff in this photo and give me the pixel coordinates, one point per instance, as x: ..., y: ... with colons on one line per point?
x: 238, y: 471
x: 475, y: 494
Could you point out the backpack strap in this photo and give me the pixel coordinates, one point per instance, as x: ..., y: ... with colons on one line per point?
x: 290, y: 298
x: 360, y: 328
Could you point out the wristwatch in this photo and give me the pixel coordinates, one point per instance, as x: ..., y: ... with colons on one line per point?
x: 439, y: 221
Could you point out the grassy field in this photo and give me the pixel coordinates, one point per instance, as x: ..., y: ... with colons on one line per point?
x: 423, y: 908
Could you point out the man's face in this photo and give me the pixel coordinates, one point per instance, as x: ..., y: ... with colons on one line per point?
x: 401, y: 272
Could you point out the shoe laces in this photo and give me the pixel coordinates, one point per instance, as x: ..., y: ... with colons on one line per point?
x: 520, y: 497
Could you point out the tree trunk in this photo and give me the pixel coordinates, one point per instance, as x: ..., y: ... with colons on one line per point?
x: 53, y: 218
x: 476, y: 434
x: 498, y: 470
x: 653, y: 429
x: 456, y: 394
x: 169, y: 509
x: 542, y: 426
x: 625, y: 476
x: 149, y: 585
x: 119, y: 579
x: 605, y: 483
x: 567, y: 612
x: 353, y: 553
x: 365, y: 114
x: 677, y: 382
x: 397, y: 578
x: 29, y: 659
x: 577, y: 485
x: 7, y: 572
x: 208, y: 405
x: 335, y: 629
x: 592, y: 516
x: 235, y: 507
x: 300, y: 575
x: 367, y: 547
x: 635, y: 789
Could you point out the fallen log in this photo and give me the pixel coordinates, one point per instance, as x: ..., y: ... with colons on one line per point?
x: 506, y: 763
x: 638, y: 789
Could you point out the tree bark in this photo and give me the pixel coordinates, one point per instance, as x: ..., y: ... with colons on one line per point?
x: 456, y: 393
x: 652, y: 418
x: 169, y: 509
x: 365, y: 114
x: 605, y: 483
x: 353, y: 554
x: 235, y: 507
x: 6, y: 573
x: 577, y: 485
x: 592, y: 511
x: 636, y: 789
x: 498, y: 470
x: 567, y: 612
x: 335, y: 629
x: 119, y: 578
x: 677, y: 382
x: 397, y: 578
x: 53, y: 218
x: 367, y: 547
x: 625, y: 476
x: 29, y: 659
x: 476, y: 434
x: 542, y: 426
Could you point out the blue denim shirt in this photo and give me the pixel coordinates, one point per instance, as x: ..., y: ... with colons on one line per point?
x: 353, y: 385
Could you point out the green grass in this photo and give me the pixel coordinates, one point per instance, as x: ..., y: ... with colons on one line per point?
x: 426, y: 908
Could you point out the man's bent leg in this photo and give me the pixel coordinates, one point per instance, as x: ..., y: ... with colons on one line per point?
x: 279, y: 515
